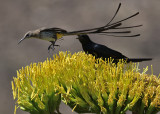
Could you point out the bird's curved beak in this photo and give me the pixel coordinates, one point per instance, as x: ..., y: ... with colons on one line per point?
x: 21, y: 40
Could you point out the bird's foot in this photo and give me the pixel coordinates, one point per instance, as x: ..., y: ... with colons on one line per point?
x: 51, y: 47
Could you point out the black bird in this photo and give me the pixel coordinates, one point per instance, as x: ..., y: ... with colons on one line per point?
x: 54, y: 34
x: 101, y: 51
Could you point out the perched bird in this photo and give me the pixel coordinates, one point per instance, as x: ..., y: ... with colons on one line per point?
x: 101, y: 51
x: 53, y: 34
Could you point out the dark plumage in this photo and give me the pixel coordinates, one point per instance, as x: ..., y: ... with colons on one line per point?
x: 101, y: 51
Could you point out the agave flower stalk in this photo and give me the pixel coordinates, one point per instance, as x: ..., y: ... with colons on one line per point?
x: 87, y: 85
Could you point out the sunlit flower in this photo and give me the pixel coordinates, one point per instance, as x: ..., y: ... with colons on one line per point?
x: 87, y: 85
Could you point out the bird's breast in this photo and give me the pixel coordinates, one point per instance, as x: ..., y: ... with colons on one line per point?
x: 88, y: 48
x: 48, y: 39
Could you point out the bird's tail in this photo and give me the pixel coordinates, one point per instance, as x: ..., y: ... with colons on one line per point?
x: 138, y: 59
x: 103, y: 30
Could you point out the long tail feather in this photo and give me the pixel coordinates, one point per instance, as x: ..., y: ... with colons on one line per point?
x: 117, y: 32
x: 125, y: 18
x: 135, y: 35
x: 128, y: 27
x: 108, y: 26
x: 138, y: 59
x: 114, y: 15
x: 94, y: 30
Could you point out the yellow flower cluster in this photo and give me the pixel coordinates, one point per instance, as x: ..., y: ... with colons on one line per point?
x: 87, y: 85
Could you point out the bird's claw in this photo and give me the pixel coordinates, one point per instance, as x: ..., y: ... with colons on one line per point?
x: 52, y: 47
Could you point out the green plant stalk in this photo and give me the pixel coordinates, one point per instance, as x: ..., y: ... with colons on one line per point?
x: 150, y: 109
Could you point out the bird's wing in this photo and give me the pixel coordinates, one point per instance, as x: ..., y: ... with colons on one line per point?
x: 55, y: 33
x: 105, y: 52
x: 56, y: 30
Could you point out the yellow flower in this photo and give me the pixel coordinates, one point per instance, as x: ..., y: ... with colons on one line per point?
x: 85, y: 84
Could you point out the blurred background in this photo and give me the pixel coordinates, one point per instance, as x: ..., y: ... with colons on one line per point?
x: 19, y: 16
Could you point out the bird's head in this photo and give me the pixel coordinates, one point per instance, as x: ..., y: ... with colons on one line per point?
x: 83, y: 38
x: 29, y: 34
